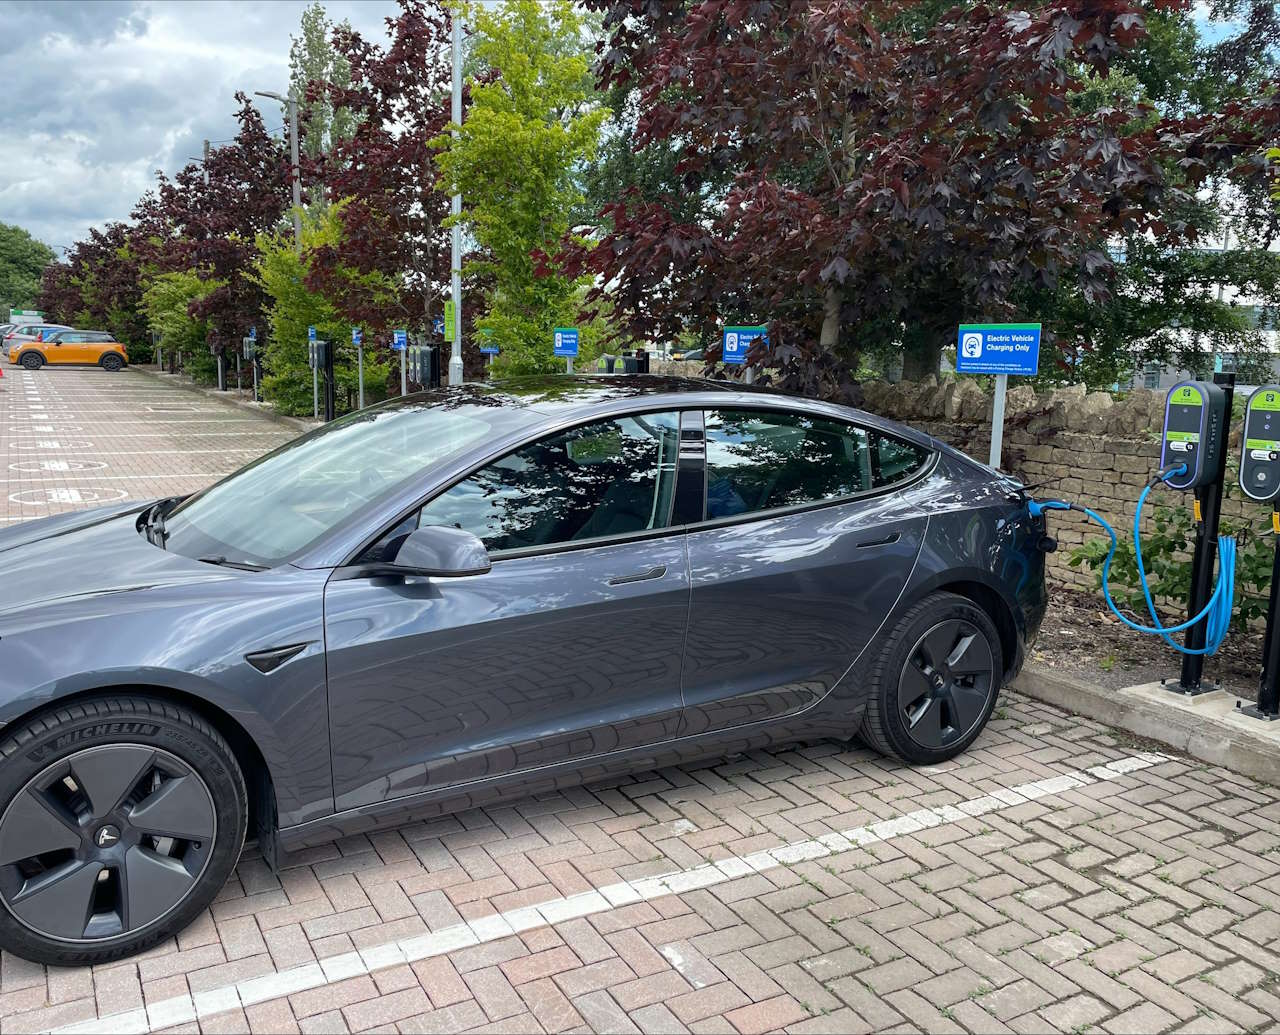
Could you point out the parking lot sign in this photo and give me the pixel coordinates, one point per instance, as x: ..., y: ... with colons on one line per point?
x: 399, y: 340
x: 357, y: 336
x: 565, y: 342
x: 737, y: 341
x: 311, y: 334
x: 1001, y: 349
x: 998, y: 348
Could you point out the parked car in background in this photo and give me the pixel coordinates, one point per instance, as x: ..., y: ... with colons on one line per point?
x: 20, y: 334
x: 687, y: 354
x: 70, y: 346
x: 472, y: 595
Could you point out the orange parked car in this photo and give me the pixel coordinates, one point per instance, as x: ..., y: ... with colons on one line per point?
x: 96, y: 347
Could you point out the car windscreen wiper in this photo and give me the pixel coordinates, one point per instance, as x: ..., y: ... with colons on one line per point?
x: 226, y: 563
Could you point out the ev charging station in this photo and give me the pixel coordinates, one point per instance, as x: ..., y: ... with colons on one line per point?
x: 1193, y: 456
x: 320, y: 359
x: 1260, y: 481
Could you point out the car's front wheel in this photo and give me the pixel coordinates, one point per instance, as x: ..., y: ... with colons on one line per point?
x: 935, y: 681
x: 120, y: 819
x: 112, y: 362
x: 31, y: 360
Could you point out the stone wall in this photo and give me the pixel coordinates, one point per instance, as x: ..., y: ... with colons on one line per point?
x: 1067, y: 444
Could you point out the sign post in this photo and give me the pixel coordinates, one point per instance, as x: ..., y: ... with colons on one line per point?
x: 315, y: 372
x: 736, y: 343
x: 487, y: 346
x: 566, y: 344
x: 357, y: 339
x: 400, y: 342
x: 1001, y: 349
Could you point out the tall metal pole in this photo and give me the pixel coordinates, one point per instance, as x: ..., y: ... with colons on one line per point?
x: 455, y: 358
x: 360, y: 373
x: 295, y: 172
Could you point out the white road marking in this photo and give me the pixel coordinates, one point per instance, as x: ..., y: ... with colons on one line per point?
x: 47, y: 497
x: 186, y: 1008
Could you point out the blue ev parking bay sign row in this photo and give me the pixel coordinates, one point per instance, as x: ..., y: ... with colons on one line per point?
x: 737, y: 341
x: 399, y: 340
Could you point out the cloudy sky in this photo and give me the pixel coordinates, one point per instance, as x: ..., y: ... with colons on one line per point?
x: 97, y: 95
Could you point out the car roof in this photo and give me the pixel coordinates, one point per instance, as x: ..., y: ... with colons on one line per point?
x: 563, y: 399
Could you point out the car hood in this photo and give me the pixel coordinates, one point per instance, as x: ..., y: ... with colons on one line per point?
x: 87, y: 554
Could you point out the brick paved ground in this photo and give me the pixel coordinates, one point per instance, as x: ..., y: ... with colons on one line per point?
x: 75, y: 436
x: 1056, y: 877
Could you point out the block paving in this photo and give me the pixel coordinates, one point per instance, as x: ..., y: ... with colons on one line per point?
x: 1142, y: 900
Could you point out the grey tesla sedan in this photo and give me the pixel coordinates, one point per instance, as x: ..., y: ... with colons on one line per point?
x: 476, y: 594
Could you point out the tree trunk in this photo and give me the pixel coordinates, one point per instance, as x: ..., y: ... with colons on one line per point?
x: 922, y: 345
x: 829, y: 337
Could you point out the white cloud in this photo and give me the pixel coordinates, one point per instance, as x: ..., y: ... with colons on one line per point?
x: 96, y: 96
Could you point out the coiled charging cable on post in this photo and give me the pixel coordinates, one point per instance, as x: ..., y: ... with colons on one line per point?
x: 1216, y: 613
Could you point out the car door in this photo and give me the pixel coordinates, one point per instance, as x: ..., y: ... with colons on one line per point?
x: 805, y: 549
x: 568, y: 648
x: 67, y: 347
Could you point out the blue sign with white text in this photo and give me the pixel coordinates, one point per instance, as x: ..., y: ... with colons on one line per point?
x: 399, y: 340
x: 998, y: 348
x: 437, y: 325
x: 566, y: 341
x: 357, y: 336
x: 311, y: 334
x: 253, y: 334
x: 736, y: 342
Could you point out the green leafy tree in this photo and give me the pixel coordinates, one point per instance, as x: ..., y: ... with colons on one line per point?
x: 167, y: 302
x: 531, y: 126
x: 22, y: 262
x: 316, y: 70
x: 292, y: 308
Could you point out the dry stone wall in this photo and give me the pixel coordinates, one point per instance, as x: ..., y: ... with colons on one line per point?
x: 1070, y: 444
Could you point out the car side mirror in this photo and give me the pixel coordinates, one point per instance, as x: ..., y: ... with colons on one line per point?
x: 441, y: 551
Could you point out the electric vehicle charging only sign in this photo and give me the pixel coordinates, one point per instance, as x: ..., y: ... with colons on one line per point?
x: 998, y: 348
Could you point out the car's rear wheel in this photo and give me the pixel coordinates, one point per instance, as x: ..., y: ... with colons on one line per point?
x: 935, y: 681
x: 112, y: 362
x: 31, y: 360
x: 121, y: 817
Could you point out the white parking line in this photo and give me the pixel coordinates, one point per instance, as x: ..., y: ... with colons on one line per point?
x: 186, y: 1008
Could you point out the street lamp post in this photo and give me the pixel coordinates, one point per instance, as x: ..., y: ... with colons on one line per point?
x: 455, y: 357
x: 295, y: 172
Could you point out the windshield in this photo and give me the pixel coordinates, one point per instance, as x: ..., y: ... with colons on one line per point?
x: 284, y: 502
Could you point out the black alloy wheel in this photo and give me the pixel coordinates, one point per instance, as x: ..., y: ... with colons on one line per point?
x: 112, y: 362
x: 120, y: 820
x: 945, y: 683
x: 105, y: 842
x: 935, y: 681
x: 32, y: 360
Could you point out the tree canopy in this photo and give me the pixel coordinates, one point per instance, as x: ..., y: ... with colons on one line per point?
x: 22, y: 263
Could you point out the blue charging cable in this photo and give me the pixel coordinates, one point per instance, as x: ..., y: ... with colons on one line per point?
x: 1216, y: 613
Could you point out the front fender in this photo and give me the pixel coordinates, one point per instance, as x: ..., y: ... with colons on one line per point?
x: 147, y: 640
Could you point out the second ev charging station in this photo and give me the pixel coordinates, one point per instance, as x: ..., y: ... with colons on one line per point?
x: 1260, y: 480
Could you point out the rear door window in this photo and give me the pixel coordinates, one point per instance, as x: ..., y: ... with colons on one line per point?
x: 762, y: 460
